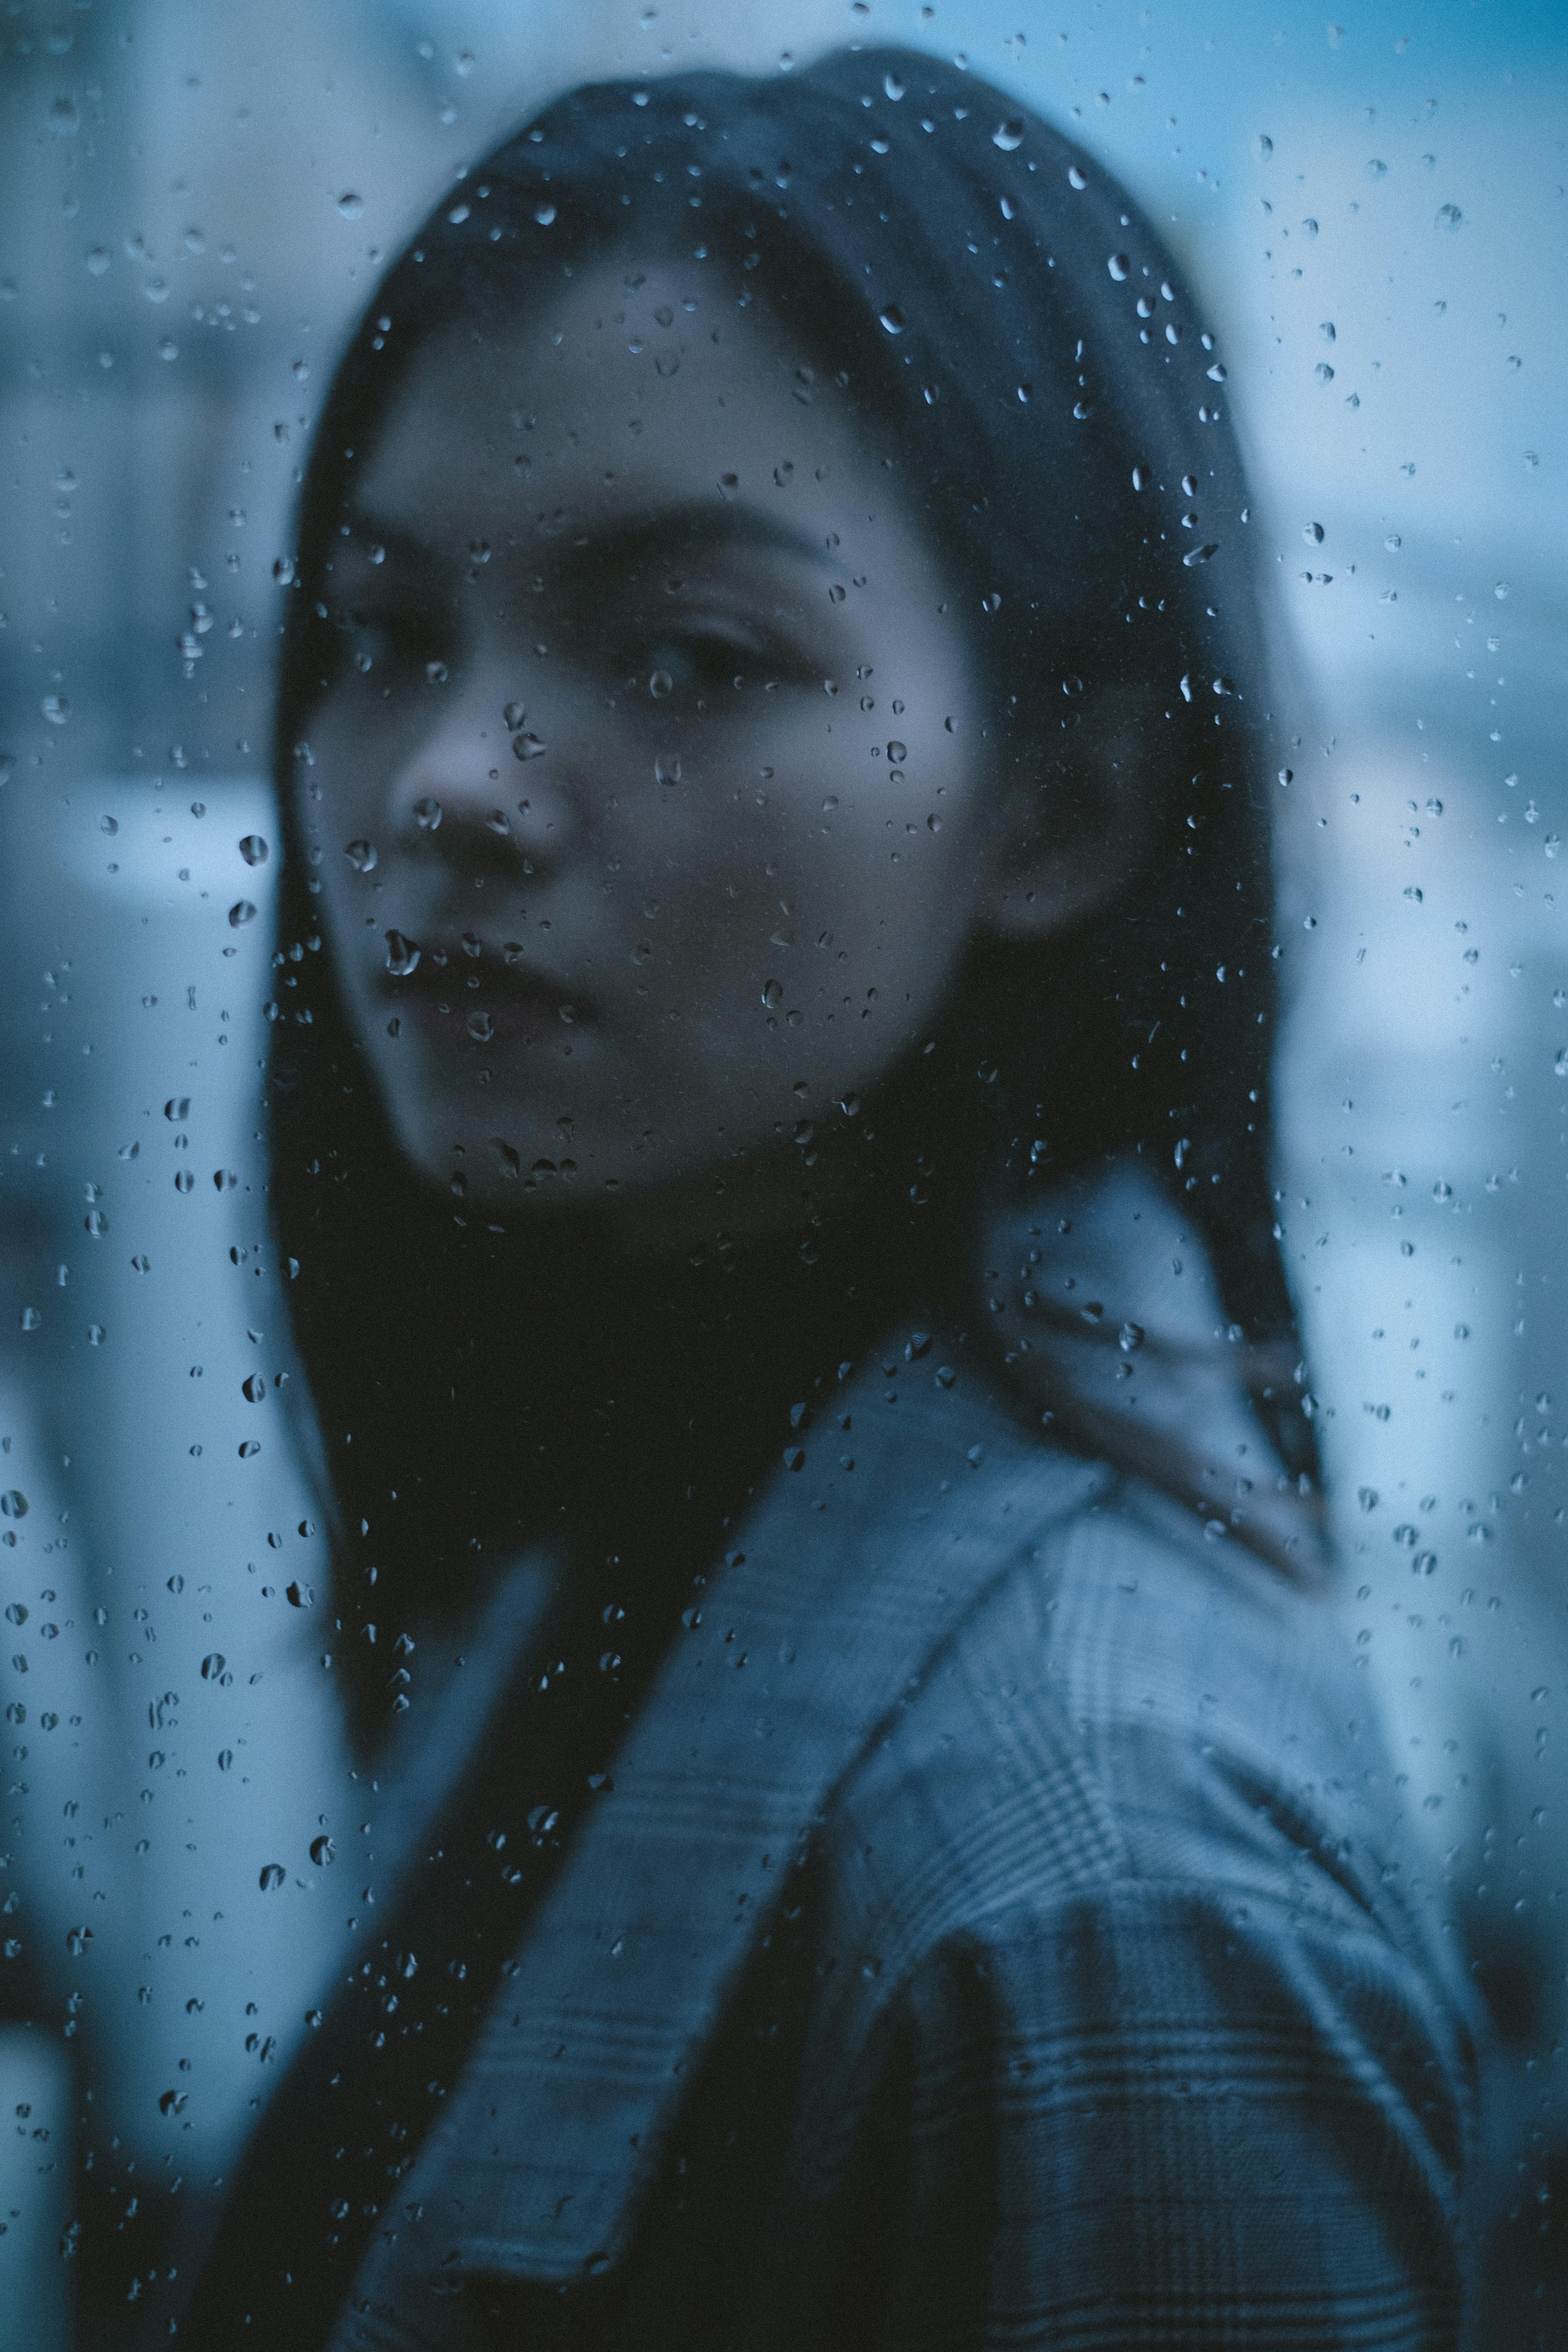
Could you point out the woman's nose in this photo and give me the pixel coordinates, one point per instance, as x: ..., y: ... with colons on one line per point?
x: 486, y: 784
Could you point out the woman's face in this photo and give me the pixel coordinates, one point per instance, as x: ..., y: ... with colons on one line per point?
x: 646, y: 792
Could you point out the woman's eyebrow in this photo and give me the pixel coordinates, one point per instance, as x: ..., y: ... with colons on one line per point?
x: 368, y: 534
x: 688, y: 528
x: 694, y: 528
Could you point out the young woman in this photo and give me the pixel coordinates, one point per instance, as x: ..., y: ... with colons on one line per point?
x: 770, y: 1107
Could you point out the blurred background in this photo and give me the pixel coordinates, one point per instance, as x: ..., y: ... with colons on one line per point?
x: 195, y: 199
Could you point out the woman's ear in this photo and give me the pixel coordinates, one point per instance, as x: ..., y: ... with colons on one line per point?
x: 1076, y: 827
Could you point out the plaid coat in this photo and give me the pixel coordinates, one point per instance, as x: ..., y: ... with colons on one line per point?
x: 998, y: 1934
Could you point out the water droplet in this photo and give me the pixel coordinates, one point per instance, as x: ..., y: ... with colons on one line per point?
x: 241, y: 913
x: 361, y: 855
x: 1263, y: 146
x: 1076, y: 179
x: 660, y: 684
x: 667, y: 769
x: 544, y: 213
x: 14, y: 1504
x: 1119, y: 266
x: 322, y: 1852
x: 300, y: 1596
x: 892, y: 319
x: 401, y: 955
x: 1323, y: 371
x: 213, y: 1665
x: 1449, y: 216
x: 283, y: 572
x: 530, y: 747
x: 272, y: 1874
x: 772, y: 993
x: 55, y: 709
x: 64, y: 120
x: 896, y: 753
x: 428, y: 813
x: 351, y: 206
x: 1008, y: 135
x: 515, y: 715
x: 893, y: 86
x: 254, y: 850
x: 481, y: 1027
x: 177, y: 1108
x: 1129, y: 1339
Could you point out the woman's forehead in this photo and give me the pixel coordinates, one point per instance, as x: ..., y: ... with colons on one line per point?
x: 643, y: 388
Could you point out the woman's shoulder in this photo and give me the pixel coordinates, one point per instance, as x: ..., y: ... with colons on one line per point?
x: 1131, y: 1698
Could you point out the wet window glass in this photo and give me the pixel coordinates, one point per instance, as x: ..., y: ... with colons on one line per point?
x: 782, y: 1393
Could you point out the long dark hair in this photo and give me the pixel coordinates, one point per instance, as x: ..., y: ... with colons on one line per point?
x: 1062, y: 425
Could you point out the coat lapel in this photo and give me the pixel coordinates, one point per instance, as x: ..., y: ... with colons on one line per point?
x: 848, y: 1579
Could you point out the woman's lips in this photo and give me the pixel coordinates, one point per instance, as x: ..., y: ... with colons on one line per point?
x: 513, y: 1003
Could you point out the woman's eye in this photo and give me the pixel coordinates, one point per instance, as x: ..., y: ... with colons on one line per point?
x: 399, y: 645
x: 696, y: 664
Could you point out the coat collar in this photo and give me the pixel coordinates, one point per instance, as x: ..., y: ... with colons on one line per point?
x: 848, y: 1578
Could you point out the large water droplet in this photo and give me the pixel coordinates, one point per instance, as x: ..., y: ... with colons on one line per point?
x: 272, y: 1874
x: 241, y: 913
x: 254, y: 850
x: 892, y: 319
x: 666, y: 768
x: 361, y: 855
x: 401, y: 955
x: 351, y: 206
x: 1119, y: 266
x: 1008, y: 135
x: 428, y: 813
